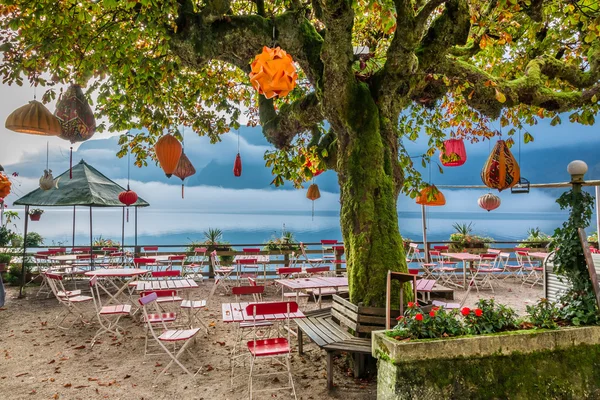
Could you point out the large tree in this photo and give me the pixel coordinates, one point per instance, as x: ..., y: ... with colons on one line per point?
x: 432, y: 67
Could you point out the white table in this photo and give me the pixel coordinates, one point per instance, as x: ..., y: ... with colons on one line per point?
x: 465, y: 258
x: 107, y: 277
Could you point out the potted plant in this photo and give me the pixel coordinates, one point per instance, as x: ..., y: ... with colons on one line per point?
x: 593, y: 240
x: 406, y: 243
x: 536, y: 240
x: 4, y: 262
x: 463, y: 238
x: 212, y: 241
x: 35, y: 214
x: 285, y: 242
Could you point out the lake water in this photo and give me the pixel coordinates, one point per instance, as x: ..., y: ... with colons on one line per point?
x: 161, y: 227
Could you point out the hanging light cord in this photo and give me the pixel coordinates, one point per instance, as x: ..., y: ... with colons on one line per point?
x: 128, y: 160
x: 47, y: 154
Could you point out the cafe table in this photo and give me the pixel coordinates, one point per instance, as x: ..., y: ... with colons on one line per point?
x: 113, y: 278
x: 466, y: 258
x: 314, y: 283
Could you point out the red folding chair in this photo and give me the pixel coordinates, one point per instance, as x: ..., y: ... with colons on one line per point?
x: 72, y: 300
x: 243, y: 265
x: 195, y: 268
x: 108, y: 316
x: 531, y: 269
x: 274, y: 349
x: 177, y: 339
x: 176, y: 261
x: 150, y: 251
x: 222, y: 274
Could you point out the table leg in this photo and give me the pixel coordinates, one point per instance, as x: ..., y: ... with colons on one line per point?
x: 300, y: 344
x: 464, y: 274
x: 329, y: 370
x: 319, y: 298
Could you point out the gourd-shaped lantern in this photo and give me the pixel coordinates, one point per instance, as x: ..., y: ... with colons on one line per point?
x: 431, y: 196
x: 168, y: 151
x: 184, y: 170
x: 273, y: 73
x: 454, y: 153
x: 47, y: 181
x: 5, y: 185
x: 501, y: 170
x: 237, y: 165
x: 489, y: 202
x: 33, y: 118
x: 75, y: 115
x: 313, y: 194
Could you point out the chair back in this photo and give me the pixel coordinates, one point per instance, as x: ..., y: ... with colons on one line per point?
x: 441, y: 248
x: 172, y: 274
x: 317, y: 270
x: 246, y: 261
x: 143, y: 261
x: 303, y: 249
x: 327, y: 248
x: 289, y: 270
x: 251, y: 250
x: 150, y: 250
x: 328, y: 242
x: 277, y: 307
x: 214, y: 260
x: 494, y: 251
x: 255, y: 291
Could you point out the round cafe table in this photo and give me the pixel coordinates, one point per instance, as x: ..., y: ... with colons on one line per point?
x: 107, y: 279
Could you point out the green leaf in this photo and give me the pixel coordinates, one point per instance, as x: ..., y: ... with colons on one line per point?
x: 527, y: 137
x: 500, y: 96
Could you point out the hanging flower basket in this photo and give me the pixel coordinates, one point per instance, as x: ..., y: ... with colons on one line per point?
x: 35, y: 214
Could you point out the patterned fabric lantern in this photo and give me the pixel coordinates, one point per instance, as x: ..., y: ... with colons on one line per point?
x: 454, y: 153
x: 489, y: 202
x: 184, y: 169
x: 501, y: 170
x: 128, y: 197
x: 75, y: 115
x: 237, y: 165
x: 273, y: 73
x: 33, y: 118
x: 5, y: 185
x: 431, y: 196
x: 47, y: 181
x: 168, y: 151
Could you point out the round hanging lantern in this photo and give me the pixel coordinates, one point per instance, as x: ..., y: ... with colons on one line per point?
x: 47, y: 181
x: 75, y: 115
x: 237, y: 165
x: 431, y: 196
x: 501, y: 170
x: 273, y: 73
x: 489, y: 202
x: 168, y: 151
x: 454, y: 153
x: 33, y: 118
x: 184, y: 169
x: 128, y: 197
x: 5, y: 185
x: 313, y: 192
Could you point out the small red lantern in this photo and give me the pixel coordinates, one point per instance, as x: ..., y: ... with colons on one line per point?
x: 128, y: 197
x: 237, y: 165
x: 454, y: 153
x: 489, y: 202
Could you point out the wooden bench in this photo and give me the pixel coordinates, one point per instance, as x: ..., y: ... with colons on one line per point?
x: 330, y: 336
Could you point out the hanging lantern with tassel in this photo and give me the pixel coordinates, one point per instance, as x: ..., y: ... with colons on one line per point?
x: 128, y: 197
x: 431, y: 196
x: 5, y: 185
x: 454, y: 153
x: 168, y: 151
x: 34, y: 119
x: 313, y: 194
x: 76, y: 118
x: 501, y: 170
x: 237, y: 165
x: 489, y: 202
x: 273, y: 73
x: 184, y: 170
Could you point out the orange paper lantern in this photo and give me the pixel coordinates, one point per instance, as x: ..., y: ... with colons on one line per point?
x: 34, y: 119
x: 273, y: 73
x: 5, y: 185
x: 501, y: 170
x: 168, y: 151
x: 431, y: 196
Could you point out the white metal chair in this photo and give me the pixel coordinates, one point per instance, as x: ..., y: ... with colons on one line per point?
x: 176, y: 339
x: 108, y: 316
x: 275, y: 349
x: 445, y: 269
x: 312, y: 262
x: 531, y: 269
x: 195, y: 268
x: 222, y: 274
x: 72, y: 300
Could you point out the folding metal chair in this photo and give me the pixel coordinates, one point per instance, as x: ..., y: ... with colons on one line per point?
x: 150, y: 251
x: 446, y: 269
x: 195, y: 268
x: 484, y: 270
x: 509, y: 269
x: 222, y: 274
x: 72, y: 300
x: 327, y: 249
x: 108, y: 316
x: 313, y: 262
x: 173, y: 262
x: 531, y: 269
x: 275, y: 349
x: 176, y: 339
x: 246, y: 268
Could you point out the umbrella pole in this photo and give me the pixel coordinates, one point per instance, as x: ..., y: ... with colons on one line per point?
x: 135, y: 249
x: 1, y: 212
x: 91, y: 242
x: 425, y: 246
x: 73, y: 242
x: 24, y: 258
x: 123, y: 232
x: 598, y: 210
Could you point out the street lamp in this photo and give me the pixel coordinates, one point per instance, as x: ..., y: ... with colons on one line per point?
x: 577, y: 169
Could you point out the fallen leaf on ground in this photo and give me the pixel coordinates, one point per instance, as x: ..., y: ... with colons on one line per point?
x: 21, y: 374
x: 221, y: 343
x: 81, y: 386
x: 51, y: 361
x: 127, y: 376
x: 52, y: 379
x: 211, y: 324
x: 32, y: 391
x: 67, y: 385
x: 158, y: 364
x: 92, y: 379
x: 209, y: 367
x: 80, y: 347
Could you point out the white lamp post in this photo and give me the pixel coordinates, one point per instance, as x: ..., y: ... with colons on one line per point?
x: 577, y: 169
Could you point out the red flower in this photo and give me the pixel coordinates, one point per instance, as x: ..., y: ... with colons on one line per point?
x: 478, y: 312
x: 400, y: 318
x: 419, y: 317
x: 411, y: 304
x: 465, y: 311
x: 432, y: 314
x: 435, y: 308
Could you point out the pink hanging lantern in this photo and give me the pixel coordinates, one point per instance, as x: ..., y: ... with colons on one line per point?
x: 454, y: 153
x: 489, y: 202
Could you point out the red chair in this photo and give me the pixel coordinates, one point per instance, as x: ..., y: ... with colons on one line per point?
x: 177, y: 260
x: 327, y: 247
x: 150, y: 250
x: 108, y: 316
x: 195, y: 268
x: 274, y: 349
x: 71, y: 300
x: 242, y: 265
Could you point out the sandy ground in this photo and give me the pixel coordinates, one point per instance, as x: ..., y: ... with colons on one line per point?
x: 41, y: 361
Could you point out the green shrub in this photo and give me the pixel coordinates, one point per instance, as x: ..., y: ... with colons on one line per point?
x: 544, y: 314
x: 489, y: 317
x: 535, y: 238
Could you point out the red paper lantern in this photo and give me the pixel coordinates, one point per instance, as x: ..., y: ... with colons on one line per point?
x: 128, y: 197
x: 454, y: 153
x: 237, y: 165
x: 438, y: 198
x: 489, y: 202
x: 168, y: 151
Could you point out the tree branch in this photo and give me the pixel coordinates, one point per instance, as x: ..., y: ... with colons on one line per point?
x: 281, y: 127
x: 423, y: 15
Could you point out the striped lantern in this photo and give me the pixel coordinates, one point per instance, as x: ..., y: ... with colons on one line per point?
x: 501, y: 170
x: 34, y: 119
x: 489, y: 202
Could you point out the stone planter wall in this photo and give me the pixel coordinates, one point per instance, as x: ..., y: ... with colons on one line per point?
x: 559, y: 364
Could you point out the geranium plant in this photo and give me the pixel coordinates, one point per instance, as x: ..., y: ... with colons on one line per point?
x: 489, y: 317
x: 463, y: 237
x: 436, y: 323
x: 36, y: 211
